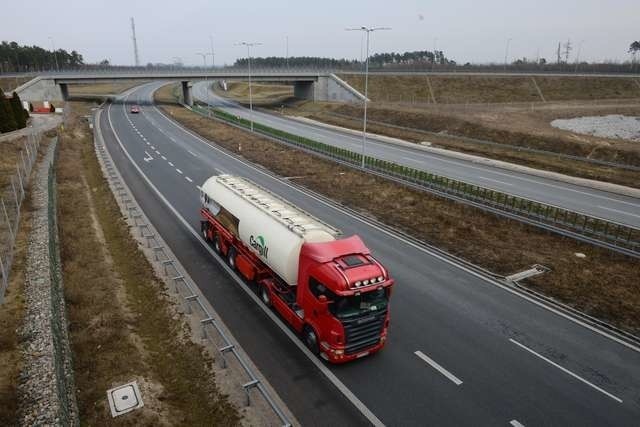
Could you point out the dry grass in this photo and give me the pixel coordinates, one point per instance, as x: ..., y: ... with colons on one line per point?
x: 9, y: 158
x: 9, y: 84
x: 603, y: 284
x: 563, y: 88
x: 261, y: 93
x: 11, y: 315
x: 102, y: 88
x: 122, y: 324
x: 490, y: 89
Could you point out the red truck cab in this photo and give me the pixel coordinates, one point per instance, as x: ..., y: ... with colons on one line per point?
x: 340, y: 305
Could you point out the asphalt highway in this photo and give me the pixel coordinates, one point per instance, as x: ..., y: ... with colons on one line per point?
x: 618, y: 208
x: 462, y: 349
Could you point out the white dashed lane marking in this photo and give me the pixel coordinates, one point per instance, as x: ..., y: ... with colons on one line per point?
x: 179, y: 171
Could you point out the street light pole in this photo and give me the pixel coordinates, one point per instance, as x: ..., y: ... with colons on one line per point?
x: 367, y: 30
x: 204, y: 59
x: 506, y: 53
x: 249, y: 46
x: 213, y: 56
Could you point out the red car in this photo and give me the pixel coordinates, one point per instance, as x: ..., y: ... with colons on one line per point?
x: 135, y: 109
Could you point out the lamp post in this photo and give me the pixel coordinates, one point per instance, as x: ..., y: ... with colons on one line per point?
x: 368, y: 31
x: 506, y: 53
x: 204, y: 59
x: 249, y: 46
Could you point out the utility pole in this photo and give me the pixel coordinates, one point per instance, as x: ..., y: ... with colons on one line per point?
x: 135, y: 43
x: 287, y: 52
x: 368, y: 31
x: 567, y: 50
x: 55, y: 54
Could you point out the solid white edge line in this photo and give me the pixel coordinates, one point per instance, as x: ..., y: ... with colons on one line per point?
x: 364, y: 410
x: 565, y: 370
x: 414, y: 245
x: 438, y: 367
x: 516, y: 423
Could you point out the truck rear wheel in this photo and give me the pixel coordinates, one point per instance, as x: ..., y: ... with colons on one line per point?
x: 311, y: 340
x: 231, y: 257
x: 205, y: 231
x: 264, y: 295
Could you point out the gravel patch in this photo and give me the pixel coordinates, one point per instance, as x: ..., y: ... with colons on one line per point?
x: 45, y: 390
x: 611, y: 126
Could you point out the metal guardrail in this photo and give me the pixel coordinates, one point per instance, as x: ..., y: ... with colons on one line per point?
x: 11, y: 198
x: 598, y: 231
x: 180, y: 284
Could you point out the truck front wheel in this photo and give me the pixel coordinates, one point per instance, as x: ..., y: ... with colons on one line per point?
x: 311, y: 340
x: 264, y: 295
x: 205, y: 231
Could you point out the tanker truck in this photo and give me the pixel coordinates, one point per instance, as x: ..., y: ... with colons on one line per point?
x: 329, y: 289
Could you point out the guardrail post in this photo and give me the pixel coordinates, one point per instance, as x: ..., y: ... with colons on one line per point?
x: 247, y: 387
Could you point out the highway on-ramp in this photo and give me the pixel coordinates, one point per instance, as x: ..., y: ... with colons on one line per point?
x: 462, y: 350
x: 615, y: 207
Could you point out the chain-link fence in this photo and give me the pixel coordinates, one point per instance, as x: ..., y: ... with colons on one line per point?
x: 11, y: 197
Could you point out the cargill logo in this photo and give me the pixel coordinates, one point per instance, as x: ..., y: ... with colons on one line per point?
x: 259, y: 245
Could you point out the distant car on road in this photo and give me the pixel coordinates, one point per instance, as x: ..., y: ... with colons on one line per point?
x: 135, y: 109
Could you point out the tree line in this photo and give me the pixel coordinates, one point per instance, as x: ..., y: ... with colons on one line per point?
x: 17, y: 58
x: 12, y: 115
x: 377, y: 60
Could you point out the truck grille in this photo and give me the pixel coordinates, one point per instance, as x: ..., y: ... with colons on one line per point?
x: 363, y: 332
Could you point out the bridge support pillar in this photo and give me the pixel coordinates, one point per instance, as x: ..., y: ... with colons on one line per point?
x: 187, y: 94
x: 64, y: 91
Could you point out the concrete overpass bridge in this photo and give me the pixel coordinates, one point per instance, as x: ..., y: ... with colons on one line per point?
x: 320, y: 86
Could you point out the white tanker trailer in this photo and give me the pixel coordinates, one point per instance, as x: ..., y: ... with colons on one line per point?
x: 330, y: 290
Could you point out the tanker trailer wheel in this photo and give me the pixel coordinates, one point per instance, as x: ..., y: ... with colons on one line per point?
x: 216, y: 243
x: 205, y: 231
x: 311, y: 339
x: 264, y: 295
x: 231, y: 257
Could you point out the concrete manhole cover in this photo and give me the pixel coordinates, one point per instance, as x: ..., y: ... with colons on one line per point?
x: 124, y: 398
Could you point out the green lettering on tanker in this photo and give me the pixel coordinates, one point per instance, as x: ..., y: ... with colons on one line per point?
x: 259, y: 245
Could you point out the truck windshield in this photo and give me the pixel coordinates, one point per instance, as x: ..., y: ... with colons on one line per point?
x: 343, y: 307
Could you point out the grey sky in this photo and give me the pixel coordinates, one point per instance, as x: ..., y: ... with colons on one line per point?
x: 466, y: 30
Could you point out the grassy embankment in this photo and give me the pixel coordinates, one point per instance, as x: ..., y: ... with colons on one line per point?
x: 102, y: 88
x: 262, y: 94
x: 491, y: 89
x: 122, y: 323
x: 603, y: 284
